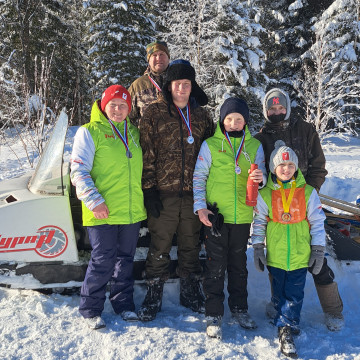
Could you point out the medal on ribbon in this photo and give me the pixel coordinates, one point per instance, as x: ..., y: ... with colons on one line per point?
x: 187, y: 120
x: 286, y: 216
x: 238, y: 152
x: 154, y: 83
x: 123, y: 138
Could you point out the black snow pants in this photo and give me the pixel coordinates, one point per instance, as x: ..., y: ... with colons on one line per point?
x: 226, y: 253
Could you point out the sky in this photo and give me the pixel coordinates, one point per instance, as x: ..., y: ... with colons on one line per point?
x: 38, y: 326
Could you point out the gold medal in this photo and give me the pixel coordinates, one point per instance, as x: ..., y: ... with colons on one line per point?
x: 286, y: 217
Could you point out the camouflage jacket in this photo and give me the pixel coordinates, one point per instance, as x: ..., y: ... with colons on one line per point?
x: 169, y: 160
x: 143, y: 92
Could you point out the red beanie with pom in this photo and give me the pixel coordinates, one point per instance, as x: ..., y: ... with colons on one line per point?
x: 113, y: 92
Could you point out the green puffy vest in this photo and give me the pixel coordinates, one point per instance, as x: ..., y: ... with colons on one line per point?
x: 117, y: 178
x: 224, y: 186
x: 288, y: 245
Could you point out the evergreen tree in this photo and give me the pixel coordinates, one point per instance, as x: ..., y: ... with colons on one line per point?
x: 329, y: 87
x: 118, y: 33
x: 221, y: 40
x: 288, y: 35
x: 45, y: 34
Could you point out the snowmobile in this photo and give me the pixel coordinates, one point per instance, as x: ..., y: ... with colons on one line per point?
x: 44, y: 246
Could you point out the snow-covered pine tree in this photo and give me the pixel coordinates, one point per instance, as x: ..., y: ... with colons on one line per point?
x: 221, y: 40
x: 117, y: 35
x: 288, y: 36
x: 38, y: 31
x: 10, y: 71
x: 329, y: 84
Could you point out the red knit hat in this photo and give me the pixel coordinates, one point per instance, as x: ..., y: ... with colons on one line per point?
x: 113, y: 92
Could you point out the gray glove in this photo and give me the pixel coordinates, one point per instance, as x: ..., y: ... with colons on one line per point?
x: 316, y: 259
x: 259, y: 256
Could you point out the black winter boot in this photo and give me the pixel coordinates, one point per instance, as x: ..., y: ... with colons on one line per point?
x: 287, y: 345
x: 153, y: 300
x: 191, y: 294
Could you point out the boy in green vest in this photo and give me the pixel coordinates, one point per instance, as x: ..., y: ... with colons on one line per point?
x: 220, y: 176
x: 289, y: 214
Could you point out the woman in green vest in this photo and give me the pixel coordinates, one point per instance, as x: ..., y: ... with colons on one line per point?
x: 106, y: 169
x: 220, y: 176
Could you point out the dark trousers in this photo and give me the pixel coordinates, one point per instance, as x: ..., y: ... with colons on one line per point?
x: 176, y: 217
x: 325, y: 276
x: 288, y: 295
x: 112, y: 257
x: 226, y: 252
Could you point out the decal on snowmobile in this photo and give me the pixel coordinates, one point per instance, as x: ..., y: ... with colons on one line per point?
x: 51, y: 242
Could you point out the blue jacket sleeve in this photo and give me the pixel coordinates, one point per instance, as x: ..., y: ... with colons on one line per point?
x: 82, y: 158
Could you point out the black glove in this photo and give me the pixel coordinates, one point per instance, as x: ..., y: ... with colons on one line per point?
x: 217, y: 220
x: 316, y: 258
x: 152, y: 202
x: 259, y: 256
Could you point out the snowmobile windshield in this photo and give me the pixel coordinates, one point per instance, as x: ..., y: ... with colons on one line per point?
x: 50, y: 178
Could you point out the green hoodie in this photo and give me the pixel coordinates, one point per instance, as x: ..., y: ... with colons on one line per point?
x: 117, y: 178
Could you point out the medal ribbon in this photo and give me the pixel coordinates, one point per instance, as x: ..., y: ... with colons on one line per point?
x: 154, y: 83
x: 124, y: 138
x: 239, y: 148
x: 286, y: 202
x: 187, y: 119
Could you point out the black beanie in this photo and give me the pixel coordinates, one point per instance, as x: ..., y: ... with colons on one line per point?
x: 234, y: 105
x: 182, y: 69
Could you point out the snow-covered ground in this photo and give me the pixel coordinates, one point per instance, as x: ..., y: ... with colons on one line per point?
x: 37, y: 326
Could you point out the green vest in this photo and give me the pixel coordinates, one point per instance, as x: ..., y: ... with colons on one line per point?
x: 288, y: 245
x: 224, y: 186
x: 117, y: 178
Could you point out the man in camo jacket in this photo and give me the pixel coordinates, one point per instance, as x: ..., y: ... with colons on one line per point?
x: 172, y: 130
x: 147, y: 87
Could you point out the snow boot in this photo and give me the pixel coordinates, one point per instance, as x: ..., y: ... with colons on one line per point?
x: 332, y: 305
x: 295, y: 331
x: 153, y: 300
x: 129, y: 316
x: 95, y: 323
x: 287, y: 345
x: 191, y: 294
x: 213, y: 327
x: 333, y: 322
x: 243, y: 318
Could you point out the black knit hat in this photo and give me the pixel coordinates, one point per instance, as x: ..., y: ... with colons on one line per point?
x: 234, y: 105
x: 182, y: 69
